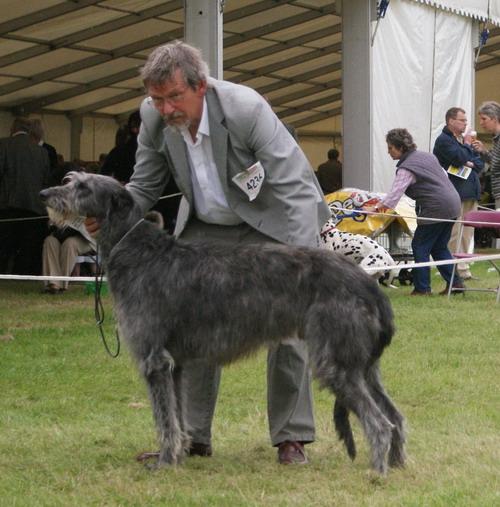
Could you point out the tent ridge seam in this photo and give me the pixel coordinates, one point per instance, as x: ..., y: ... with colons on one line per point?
x: 480, y: 14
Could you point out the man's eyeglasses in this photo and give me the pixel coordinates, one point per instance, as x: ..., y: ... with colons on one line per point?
x: 174, y: 100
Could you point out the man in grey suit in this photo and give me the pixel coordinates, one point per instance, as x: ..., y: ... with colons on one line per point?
x: 24, y: 171
x: 244, y: 180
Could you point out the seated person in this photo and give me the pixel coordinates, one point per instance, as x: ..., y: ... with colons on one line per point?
x: 60, y: 251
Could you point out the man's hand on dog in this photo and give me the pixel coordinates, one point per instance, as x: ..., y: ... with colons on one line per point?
x: 92, y: 226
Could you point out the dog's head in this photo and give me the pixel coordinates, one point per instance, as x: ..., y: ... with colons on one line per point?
x: 85, y: 195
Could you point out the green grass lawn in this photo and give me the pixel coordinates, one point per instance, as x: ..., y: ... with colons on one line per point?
x: 73, y: 420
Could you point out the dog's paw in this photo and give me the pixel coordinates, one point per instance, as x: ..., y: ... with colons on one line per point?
x: 157, y: 465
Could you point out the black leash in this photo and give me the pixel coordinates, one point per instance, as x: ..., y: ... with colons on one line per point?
x: 99, y: 310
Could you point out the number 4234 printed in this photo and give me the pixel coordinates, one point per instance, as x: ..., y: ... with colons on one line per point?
x: 250, y: 180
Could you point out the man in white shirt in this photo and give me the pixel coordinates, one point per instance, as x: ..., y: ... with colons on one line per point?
x: 244, y: 180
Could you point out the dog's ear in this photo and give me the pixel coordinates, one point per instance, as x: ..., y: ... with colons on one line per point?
x: 155, y: 217
x: 121, y: 202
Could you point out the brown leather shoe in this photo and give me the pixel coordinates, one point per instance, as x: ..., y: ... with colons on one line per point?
x: 416, y: 293
x: 459, y: 285
x: 196, y: 449
x: 148, y: 455
x: 290, y: 452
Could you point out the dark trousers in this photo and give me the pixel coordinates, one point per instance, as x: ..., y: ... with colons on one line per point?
x: 22, y: 233
x: 432, y: 239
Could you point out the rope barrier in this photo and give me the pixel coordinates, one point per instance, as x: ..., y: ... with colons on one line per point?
x: 412, y: 265
x: 46, y: 216
x: 374, y: 269
x: 48, y: 278
x: 23, y: 219
x: 350, y: 210
x: 394, y: 215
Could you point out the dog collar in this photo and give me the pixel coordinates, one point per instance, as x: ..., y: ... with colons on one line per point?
x: 125, y: 235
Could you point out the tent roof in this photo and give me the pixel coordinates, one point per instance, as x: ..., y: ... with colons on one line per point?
x: 83, y: 57
x: 484, y: 10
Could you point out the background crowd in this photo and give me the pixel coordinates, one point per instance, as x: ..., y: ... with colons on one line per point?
x: 29, y: 245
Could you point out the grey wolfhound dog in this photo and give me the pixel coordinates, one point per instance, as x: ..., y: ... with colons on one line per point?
x: 176, y: 301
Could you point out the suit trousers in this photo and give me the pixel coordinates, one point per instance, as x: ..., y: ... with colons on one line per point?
x: 289, y: 393
x: 453, y: 246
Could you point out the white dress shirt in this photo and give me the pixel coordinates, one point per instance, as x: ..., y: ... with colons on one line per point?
x: 209, y: 199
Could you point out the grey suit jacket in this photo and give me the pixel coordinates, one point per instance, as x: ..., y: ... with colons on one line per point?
x: 24, y: 171
x: 243, y: 130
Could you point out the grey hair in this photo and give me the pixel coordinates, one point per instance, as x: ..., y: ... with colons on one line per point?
x: 22, y: 125
x: 490, y: 108
x: 36, y: 130
x: 165, y: 60
x: 401, y: 139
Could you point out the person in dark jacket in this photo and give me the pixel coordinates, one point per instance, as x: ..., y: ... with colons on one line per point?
x: 24, y: 172
x: 121, y: 159
x: 421, y: 178
x: 454, y: 148
x: 330, y: 173
x: 37, y: 135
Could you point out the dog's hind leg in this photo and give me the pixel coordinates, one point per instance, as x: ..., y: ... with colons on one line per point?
x: 397, y: 452
x: 353, y: 393
x: 158, y: 370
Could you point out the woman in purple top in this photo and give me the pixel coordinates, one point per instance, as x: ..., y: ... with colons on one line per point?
x: 420, y: 176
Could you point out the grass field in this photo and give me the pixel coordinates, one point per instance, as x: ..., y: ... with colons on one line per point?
x: 72, y: 419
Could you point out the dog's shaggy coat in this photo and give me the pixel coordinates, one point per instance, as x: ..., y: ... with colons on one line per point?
x: 176, y: 301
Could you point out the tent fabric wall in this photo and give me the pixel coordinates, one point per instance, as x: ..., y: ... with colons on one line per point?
x: 98, y: 134
x: 495, y: 12
x: 422, y: 66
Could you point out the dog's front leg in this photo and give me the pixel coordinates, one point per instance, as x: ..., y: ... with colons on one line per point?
x: 158, y: 372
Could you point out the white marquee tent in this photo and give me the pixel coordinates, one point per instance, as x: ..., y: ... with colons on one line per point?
x: 423, y: 64
x: 74, y: 64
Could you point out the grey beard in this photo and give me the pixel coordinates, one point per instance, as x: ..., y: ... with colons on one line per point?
x: 176, y: 127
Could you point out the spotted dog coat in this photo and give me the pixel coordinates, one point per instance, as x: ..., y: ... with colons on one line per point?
x: 361, y: 249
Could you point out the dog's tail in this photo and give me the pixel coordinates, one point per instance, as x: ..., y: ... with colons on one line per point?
x: 343, y: 428
x: 391, y: 275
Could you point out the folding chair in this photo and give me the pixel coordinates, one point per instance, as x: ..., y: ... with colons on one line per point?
x: 90, y: 258
x: 477, y: 219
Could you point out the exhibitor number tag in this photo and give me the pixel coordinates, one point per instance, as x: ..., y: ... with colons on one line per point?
x: 250, y: 180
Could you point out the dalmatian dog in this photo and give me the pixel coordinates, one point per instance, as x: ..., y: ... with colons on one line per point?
x: 361, y: 249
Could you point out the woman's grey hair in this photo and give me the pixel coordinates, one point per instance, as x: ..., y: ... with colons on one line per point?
x: 165, y: 60
x: 401, y: 139
x: 490, y: 108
